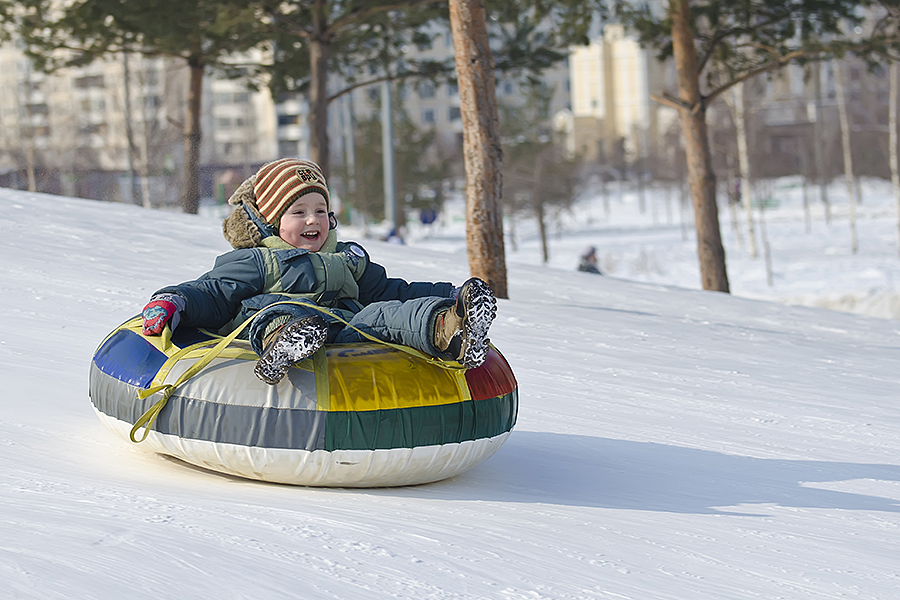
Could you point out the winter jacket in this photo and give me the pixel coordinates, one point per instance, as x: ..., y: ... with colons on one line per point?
x: 246, y: 280
x: 264, y: 269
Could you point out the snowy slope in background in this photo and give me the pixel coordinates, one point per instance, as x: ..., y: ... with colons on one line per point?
x: 810, y: 268
x: 671, y: 444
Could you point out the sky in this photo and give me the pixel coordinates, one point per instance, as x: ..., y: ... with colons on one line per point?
x: 671, y: 443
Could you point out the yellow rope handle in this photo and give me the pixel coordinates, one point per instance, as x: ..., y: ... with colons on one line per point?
x: 438, y: 362
x: 147, y: 419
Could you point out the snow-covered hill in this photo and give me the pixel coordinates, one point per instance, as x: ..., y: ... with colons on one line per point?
x: 671, y: 444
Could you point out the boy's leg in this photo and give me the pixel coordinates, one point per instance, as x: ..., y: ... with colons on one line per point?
x: 436, y: 326
x: 284, y: 335
x: 407, y: 323
x: 460, y: 333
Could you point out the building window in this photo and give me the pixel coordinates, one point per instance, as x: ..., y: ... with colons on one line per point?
x: 29, y: 87
x: 428, y: 115
x: 287, y: 148
x: 232, y: 98
x: 34, y: 132
x: 784, y: 144
x: 452, y: 89
x: 426, y: 89
x: 89, y: 81
x: 288, y: 119
x: 90, y: 128
x: 454, y: 113
x: 223, y: 122
x: 508, y: 88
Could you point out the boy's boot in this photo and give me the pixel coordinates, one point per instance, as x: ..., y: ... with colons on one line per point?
x: 460, y: 332
x: 290, y: 344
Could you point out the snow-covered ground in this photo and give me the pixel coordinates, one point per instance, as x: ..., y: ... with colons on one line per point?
x: 671, y: 443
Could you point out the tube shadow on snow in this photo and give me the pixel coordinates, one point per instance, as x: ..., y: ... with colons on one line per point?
x: 579, y: 470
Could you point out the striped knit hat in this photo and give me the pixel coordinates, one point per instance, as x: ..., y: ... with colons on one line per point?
x: 281, y: 182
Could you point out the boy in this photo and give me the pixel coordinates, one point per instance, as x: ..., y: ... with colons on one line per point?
x: 286, y: 249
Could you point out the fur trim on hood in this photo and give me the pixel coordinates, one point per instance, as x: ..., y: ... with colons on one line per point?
x: 239, y: 228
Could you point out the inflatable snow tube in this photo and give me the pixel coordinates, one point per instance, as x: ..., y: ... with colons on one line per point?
x: 359, y: 415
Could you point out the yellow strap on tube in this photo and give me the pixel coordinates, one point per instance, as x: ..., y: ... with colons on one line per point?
x: 149, y: 417
x: 320, y: 366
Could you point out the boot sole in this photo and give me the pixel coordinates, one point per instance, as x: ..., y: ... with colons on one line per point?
x: 480, y: 310
x: 299, y: 340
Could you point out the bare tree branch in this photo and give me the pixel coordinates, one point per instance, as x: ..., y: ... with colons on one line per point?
x: 363, y: 12
x: 671, y: 101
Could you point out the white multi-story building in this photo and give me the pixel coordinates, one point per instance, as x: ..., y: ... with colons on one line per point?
x: 612, y: 80
x: 70, y: 130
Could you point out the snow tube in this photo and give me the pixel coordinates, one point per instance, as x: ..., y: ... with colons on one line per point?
x: 353, y: 415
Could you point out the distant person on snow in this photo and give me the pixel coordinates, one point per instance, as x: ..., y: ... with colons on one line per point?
x: 286, y: 250
x: 588, y: 261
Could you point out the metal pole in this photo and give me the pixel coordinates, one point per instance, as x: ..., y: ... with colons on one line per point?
x: 129, y: 130
x: 391, y: 214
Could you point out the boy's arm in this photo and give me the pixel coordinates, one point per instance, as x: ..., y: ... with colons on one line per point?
x: 215, y: 298
x: 376, y: 286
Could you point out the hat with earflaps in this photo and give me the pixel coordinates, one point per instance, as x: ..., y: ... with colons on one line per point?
x: 263, y: 198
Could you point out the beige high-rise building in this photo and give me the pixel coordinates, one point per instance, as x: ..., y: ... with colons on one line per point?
x: 612, y: 80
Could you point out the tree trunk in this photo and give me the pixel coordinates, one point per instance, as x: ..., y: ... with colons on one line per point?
x: 29, y: 162
x: 892, y: 142
x: 701, y: 178
x: 819, y: 147
x: 482, y: 152
x: 190, y: 198
x: 318, y: 94
x: 848, y: 156
x: 740, y: 124
x: 538, y: 206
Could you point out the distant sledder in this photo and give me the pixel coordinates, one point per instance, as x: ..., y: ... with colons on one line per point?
x: 588, y: 261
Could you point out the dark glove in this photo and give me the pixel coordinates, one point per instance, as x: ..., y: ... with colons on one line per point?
x: 162, y: 309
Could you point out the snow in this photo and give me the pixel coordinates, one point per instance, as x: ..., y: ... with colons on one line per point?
x: 671, y: 443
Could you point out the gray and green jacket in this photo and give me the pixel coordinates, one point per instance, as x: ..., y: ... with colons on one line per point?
x: 244, y: 281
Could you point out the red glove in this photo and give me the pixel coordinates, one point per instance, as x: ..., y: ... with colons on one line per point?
x: 162, y: 309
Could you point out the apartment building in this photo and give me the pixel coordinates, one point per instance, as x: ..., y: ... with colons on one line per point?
x: 612, y: 80
x: 95, y: 133
x: 794, y: 127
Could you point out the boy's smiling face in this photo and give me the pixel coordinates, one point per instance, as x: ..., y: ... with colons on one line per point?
x: 305, y: 223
